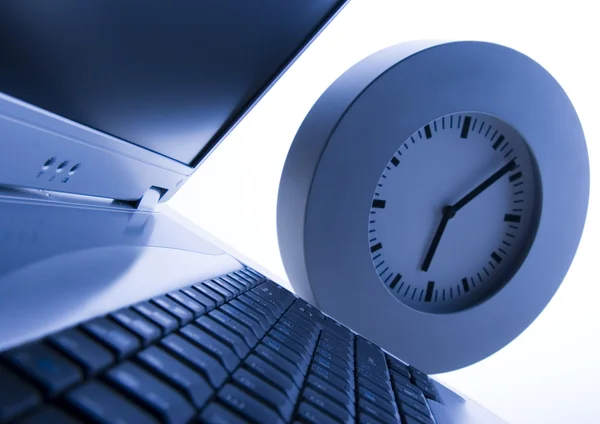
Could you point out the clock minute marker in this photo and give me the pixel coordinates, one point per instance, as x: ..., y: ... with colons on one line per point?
x: 498, y: 142
x: 495, y: 256
x: 465, y: 128
x: 429, y: 291
x: 427, y: 131
x: 395, y: 281
x: 510, y: 217
x: 465, y: 284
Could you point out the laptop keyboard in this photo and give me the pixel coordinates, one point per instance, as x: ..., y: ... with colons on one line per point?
x: 234, y: 349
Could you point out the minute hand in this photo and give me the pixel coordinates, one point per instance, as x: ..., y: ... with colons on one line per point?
x: 481, y: 187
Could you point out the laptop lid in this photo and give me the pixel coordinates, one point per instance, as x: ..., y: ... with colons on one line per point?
x: 117, y: 100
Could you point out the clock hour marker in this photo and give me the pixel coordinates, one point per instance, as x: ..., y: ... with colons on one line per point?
x: 509, y: 217
x: 498, y: 142
x: 429, y: 291
x: 427, y: 131
x: 395, y: 281
x: 465, y: 284
x: 376, y: 247
x: 465, y: 128
x: 496, y: 257
x: 378, y: 203
x: 395, y: 161
x: 516, y: 176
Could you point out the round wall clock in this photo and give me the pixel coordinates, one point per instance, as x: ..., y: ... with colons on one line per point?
x: 434, y: 198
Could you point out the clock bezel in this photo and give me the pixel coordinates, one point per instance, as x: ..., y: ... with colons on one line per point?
x: 332, y: 167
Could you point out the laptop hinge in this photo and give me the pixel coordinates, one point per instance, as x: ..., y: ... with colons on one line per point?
x: 150, y: 199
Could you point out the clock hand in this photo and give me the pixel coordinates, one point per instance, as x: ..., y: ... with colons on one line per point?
x: 450, y: 211
x: 447, y: 213
x: 481, y: 187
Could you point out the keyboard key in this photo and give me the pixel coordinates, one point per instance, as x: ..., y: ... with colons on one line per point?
x: 398, y: 366
x: 272, y: 375
x: 265, y: 294
x: 156, y: 395
x: 302, y: 349
x: 428, y: 389
x: 48, y: 414
x: 184, y: 300
x: 331, y: 378
x: 230, y: 287
x: 197, y: 358
x: 227, y: 295
x: 342, y: 398
x: 206, y: 301
x: 179, y: 375
x: 208, y: 292
x: 252, y: 313
x: 235, y: 326
x: 270, y: 306
x: 103, y: 404
x: 218, y: 414
x: 263, y: 390
x: 45, y: 366
x: 118, y: 339
x: 410, y: 413
x: 312, y: 415
x: 223, y: 353
x: 92, y: 356
x: 269, y: 316
x: 249, y: 322
x: 247, y: 406
x: 417, y: 374
x: 417, y: 396
x: 137, y: 324
x: 370, y: 353
x: 243, y: 279
x: 232, y: 282
x: 418, y: 406
x: 332, y: 408
x: 365, y: 418
x: 235, y: 342
x: 165, y: 321
x: 16, y: 395
x: 370, y: 390
x: 379, y: 402
x: 301, y: 361
x: 182, y: 314
x: 275, y: 293
x: 344, y: 373
x: 376, y: 412
x: 280, y: 363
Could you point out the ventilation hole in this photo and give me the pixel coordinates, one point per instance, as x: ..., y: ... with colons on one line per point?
x: 64, y: 180
x: 48, y: 163
x: 74, y: 169
x: 62, y: 166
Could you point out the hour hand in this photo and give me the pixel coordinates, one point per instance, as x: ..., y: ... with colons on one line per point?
x: 447, y: 213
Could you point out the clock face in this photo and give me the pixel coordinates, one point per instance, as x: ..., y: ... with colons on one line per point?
x: 454, y: 212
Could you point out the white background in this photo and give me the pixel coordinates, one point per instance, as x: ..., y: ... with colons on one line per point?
x: 551, y: 373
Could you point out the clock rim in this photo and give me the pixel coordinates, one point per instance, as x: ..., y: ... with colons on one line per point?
x: 319, y: 225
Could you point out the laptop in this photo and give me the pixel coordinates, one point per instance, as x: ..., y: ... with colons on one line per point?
x: 114, y: 312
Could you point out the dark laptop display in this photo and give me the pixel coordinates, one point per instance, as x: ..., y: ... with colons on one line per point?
x: 175, y: 90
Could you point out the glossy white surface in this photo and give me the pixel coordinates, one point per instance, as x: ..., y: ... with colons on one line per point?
x: 547, y: 375
x: 61, y: 265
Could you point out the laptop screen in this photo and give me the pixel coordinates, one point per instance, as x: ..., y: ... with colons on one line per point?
x: 172, y: 77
